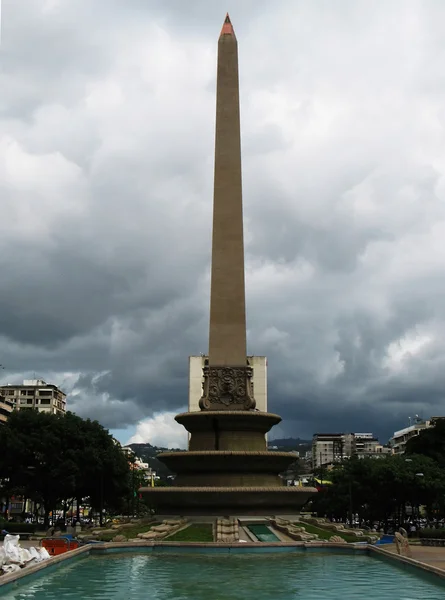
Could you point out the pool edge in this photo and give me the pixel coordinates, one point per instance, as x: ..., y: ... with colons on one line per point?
x: 13, y: 579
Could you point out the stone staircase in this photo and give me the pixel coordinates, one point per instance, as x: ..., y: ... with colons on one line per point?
x: 226, y: 530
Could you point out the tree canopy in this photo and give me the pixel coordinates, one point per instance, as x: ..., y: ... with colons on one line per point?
x: 51, y: 458
x: 380, y: 489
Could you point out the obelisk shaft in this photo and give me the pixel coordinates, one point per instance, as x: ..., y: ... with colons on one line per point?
x: 227, y: 343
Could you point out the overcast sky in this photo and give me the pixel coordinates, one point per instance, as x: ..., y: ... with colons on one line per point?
x: 107, y: 112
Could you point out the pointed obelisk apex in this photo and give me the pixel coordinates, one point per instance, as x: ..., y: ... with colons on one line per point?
x: 227, y: 28
x: 227, y: 378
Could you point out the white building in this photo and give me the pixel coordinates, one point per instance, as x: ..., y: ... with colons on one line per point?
x: 400, y: 438
x: 6, y: 407
x: 259, y: 381
x: 138, y: 464
x: 35, y: 394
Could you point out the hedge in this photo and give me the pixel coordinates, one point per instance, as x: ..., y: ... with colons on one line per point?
x: 431, y: 533
x: 18, y: 527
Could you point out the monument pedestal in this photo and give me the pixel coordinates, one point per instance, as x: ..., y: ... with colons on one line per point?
x: 228, y: 469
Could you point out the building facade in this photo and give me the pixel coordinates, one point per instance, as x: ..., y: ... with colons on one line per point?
x: 331, y: 448
x: 6, y: 408
x: 364, y: 444
x: 35, y: 394
x: 259, y: 380
x: 400, y: 438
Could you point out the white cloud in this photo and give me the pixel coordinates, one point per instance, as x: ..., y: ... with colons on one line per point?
x: 160, y: 430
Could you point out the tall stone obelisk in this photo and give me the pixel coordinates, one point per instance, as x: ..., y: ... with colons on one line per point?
x: 227, y: 377
x: 227, y: 469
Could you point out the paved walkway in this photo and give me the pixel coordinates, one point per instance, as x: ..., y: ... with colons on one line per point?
x: 430, y: 555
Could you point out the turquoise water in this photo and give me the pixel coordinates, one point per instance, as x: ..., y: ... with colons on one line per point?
x: 263, y: 533
x: 306, y: 576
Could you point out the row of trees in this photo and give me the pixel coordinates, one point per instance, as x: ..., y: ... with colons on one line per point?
x: 56, y: 459
x: 383, y: 490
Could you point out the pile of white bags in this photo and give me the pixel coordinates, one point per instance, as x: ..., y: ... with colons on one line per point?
x: 13, y: 557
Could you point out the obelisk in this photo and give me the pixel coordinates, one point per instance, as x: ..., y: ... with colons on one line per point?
x: 227, y: 376
x: 227, y: 469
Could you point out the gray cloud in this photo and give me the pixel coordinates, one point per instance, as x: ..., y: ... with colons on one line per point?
x: 106, y: 158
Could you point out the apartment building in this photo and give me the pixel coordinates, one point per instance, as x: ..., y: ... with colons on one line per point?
x: 6, y: 407
x: 35, y: 394
x: 331, y: 448
x: 401, y: 437
x: 364, y: 444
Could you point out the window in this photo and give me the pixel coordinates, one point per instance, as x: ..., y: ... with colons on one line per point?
x: 45, y: 401
x: 11, y: 392
x: 22, y: 392
x: 29, y: 401
x: 45, y: 393
x: 30, y: 392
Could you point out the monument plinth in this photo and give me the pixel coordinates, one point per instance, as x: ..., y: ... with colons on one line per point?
x: 228, y: 469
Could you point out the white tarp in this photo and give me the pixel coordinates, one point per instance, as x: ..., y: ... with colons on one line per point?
x: 13, y: 557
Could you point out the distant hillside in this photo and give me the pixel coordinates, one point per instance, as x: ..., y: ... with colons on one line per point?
x: 142, y: 449
x: 148, y: 453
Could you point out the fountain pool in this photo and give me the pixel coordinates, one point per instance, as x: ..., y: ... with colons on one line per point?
x: 304, y: 576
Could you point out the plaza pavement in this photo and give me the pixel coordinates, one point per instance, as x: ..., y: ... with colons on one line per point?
x: 430, y: 555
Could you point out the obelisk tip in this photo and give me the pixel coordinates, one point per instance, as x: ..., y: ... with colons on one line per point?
x: 227, y: 28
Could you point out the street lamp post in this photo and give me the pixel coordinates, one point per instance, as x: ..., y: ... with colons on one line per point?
x: 133, y: 491
x: 350, y: 500
x: 101, y: 497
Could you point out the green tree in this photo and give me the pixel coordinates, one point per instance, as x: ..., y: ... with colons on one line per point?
x: 53, y: 458
x: 380, y: 489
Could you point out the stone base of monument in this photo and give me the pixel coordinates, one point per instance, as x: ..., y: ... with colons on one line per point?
x: 227, y: 470
x: 225, y: 501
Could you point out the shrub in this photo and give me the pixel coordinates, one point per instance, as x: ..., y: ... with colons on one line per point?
x: 431, y: 533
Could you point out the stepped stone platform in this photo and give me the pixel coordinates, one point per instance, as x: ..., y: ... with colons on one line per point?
x: 228, y: 480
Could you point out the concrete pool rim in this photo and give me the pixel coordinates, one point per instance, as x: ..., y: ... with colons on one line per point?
x: 24, y: 576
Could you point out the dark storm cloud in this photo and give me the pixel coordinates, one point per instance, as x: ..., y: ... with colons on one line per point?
x: 106, y: 158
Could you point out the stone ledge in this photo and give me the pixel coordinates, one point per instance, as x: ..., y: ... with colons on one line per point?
x: 240, y: 453
x: 233, y: 413
x: 276, y: 489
